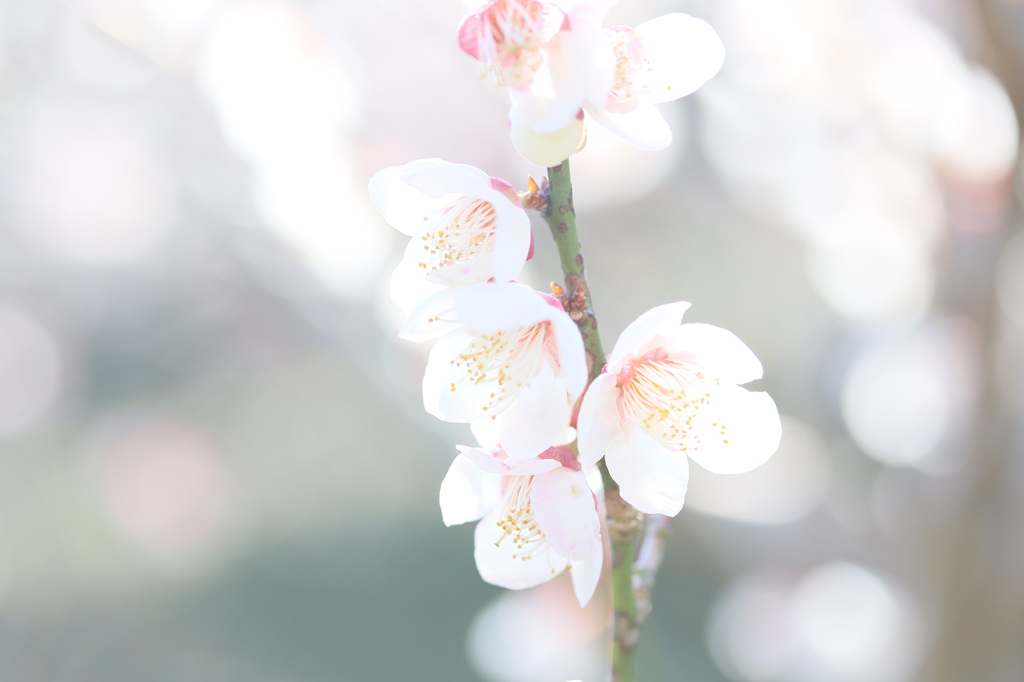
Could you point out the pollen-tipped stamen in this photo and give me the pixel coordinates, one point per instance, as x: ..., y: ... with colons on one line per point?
x: 507, y: 360
x: 462, y: 230
x: 518, y: 523
x: 664, y: 395
x: 512, y: 34
x: 631, y: 67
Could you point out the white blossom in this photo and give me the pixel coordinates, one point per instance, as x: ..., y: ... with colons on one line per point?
x: 539, y: 517
x: 659, y: 61
x: 466, y: 227
x: 670, y: 390
x: 506, y: 353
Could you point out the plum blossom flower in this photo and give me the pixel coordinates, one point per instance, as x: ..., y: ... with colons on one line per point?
x: 506, y: 353
x: 670, y: 390
x: 466, y: 227
x: 510, y: 37
x: 539, y: 517
x: 547, y: 55
x: 659, y: 61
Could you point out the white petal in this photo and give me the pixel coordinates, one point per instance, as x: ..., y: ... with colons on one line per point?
x: 536, y: 418
x: 465, y: 403
x: 432, y: 318
x: 437, y: 179
x: 486, y: 432
x: 511, y: 239
x: 490, y: 307
x: 545, y: 149
x: 557, y: 93
x: 501, y: 565
x: 572, y: 357
x: 684, y: 53
x: 544, y: 107
x: 403, y: 206
x: 717, y: 351
x: 650, y: 478
x: 604, y: 76
x: 409, y: 287
x: 636, y: 339
x: 598, y: 420
x: 586, y: 573
x: 460, y: 273
x: 643, y: 127
x: 752, y: 429
x: 467, y: 492
x: 566, y: 512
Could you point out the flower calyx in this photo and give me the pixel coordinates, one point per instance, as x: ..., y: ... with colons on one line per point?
x: 536, y: 196
x: 575, y: 304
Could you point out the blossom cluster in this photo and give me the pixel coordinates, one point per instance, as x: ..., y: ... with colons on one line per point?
x: 558, y: 63
x: 511, y: 362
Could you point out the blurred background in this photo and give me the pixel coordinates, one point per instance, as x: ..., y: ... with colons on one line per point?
x: 214, y: 462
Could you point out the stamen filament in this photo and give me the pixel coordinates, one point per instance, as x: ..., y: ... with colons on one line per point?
x: 462, y: 230
x: 508, y: 360
x: 663, y: 395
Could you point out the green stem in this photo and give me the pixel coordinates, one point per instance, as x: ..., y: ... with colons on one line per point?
x: 623, y: 519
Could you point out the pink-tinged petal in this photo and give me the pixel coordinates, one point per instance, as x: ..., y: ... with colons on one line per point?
x: 650, y: 478
x: 536, y: 418
x: 683, y: 52
x: 586, y: 573
x: 513, y: 238
x: 546, y: 149
x: 598, y: 422
x: 490, y: 307
x: 437, y: 179
x: 718, y: 352
x: 563, y: 456
x: 467, y: 492
x: 507, y: 190
x: 408, y: 286
x: 404, y: 207
x: 572, y: 357
x: 469, y: 35
x: 502, y: 564
x: 739, y: 430
x: 432, y: 318
x: 489, y: 462
x: 494, y: 462
x: 566, y: 512
x: 643, y: 127
x: 635, y: 340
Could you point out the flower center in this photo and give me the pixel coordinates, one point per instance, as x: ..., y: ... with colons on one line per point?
x: 507, y: 360
x: 517, y: 523
x: 630, y: 68
x: 663, y: 395
x: 464, y: 229
x: 512, y: 33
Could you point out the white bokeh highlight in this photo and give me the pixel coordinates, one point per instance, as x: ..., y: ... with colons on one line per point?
x: 839, y: 621
x: 907, y: 393
x: 289, y: 107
